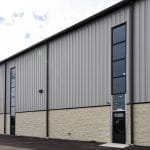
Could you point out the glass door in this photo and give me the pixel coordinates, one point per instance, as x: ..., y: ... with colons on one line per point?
x: 119, y: 133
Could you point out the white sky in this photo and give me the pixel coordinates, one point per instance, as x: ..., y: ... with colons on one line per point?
x: 25, y: 22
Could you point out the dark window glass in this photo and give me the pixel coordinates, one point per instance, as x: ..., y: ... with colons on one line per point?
x: 13, y: 101
x: 119, y: 51
x: 13, y: 111
x: 13, y: 92
x: 119, y: 68
x: 13, y: 73
x: 119, y: 102
x: 13, y: 82
x: 12, y: 121
x: 119, y: 34
x: 119, y: 85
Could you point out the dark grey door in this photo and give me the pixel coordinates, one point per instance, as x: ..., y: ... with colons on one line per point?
x: 119, y: 128
x: 12, y: 125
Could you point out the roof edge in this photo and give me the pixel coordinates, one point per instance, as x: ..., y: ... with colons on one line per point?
x: 106, y: 11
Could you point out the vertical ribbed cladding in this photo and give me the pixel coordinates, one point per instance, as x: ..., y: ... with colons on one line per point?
x: 2, y: 88
x: 79, y: 68
x: 30, y: 78
x: 80, y: 71
x: 147, y: 46
x: 2, y: 94
x: 139, y: 56
x: 142, y: 53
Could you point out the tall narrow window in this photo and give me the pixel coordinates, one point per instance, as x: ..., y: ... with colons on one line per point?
x: 12, y: 100
x: 119, y: 60
x: 118, y: 83
x: 119, y: 66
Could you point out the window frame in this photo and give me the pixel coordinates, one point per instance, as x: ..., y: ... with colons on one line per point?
x: 113, y: 105
x: 124, y: 79
x: 112, y: 44
x: 12, y: 87
x: 122, y: 61
x: 124, y: 42
x: 123, y: 24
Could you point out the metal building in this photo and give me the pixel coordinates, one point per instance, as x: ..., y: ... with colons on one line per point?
x: 88, y: 82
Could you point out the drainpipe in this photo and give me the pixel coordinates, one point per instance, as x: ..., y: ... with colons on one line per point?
x: 5, y: 100
x: 132, y: 69
x: 47, y: 91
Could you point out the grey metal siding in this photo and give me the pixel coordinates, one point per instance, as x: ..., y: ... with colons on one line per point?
x: 2, y: 87
x: 80, y: 64
x: 30, y: 77
x: 142, y: 51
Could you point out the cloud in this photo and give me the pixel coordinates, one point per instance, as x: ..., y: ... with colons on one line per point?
x: 23, y: 24
x: 18, y: 15
x: 27, y: 35
x: 2, y: 19
x: 40, y: 17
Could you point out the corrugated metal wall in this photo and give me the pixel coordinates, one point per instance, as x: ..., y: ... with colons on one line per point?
x: 30, y: 77
x: 142, y: 51
x: 2, y: 87
x: 80, y: 64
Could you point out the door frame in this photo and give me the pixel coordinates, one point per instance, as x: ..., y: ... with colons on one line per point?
x: 124, y: 112
x: 126, y: 121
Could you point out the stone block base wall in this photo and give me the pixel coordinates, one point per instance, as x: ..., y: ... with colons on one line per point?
x: 8, y: 124
x: 31, y: 124
x: 142, y: 124
x: 1, y: 123
x: 85, y: 124
x: 128, y: 125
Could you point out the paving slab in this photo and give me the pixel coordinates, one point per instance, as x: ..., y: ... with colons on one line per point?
x: 115, y: 145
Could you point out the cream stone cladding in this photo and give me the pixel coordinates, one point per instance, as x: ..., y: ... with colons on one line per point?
x: 7, y: 123
x: 1, y: 123
x: 85, y: 124
x: 31, y: 124
x: 128, y: 125
x: 142, y: 124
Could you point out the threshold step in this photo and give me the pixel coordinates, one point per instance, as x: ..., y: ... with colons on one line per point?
x: 115, y: 145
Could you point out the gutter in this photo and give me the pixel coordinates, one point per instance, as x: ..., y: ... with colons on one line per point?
x: 5, y: 99
x: 132, y: 69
